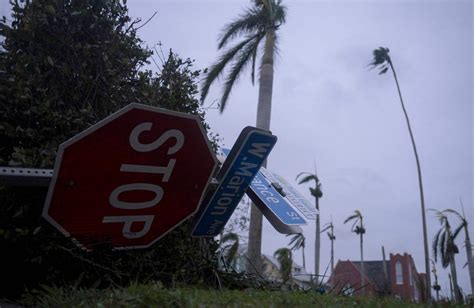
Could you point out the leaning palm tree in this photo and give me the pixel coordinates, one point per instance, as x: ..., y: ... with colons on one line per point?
x: 467, y: 243
x: 317, y: 193
x: 298, y: 241
x: 358, y: 228
x: 329, y: 227
x: 258, y: 24
x: 230, y: 247
x: 383, y: 61
x: 444, y: 246
x: 285, y: 258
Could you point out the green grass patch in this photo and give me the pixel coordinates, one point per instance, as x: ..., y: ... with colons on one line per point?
x: 153, y: 295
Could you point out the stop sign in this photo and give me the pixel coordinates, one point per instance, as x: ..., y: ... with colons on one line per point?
x: 131, y: 178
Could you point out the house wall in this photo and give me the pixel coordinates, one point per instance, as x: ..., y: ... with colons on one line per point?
x: 347, y: 273
x: 409, y: 289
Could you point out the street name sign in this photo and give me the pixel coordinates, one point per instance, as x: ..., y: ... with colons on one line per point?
x: 245, y: 159
x: 131, y: 178
x: 272, y: 203
x: 292, y: 194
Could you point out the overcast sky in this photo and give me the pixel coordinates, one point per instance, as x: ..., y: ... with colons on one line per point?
x: 329, y: 108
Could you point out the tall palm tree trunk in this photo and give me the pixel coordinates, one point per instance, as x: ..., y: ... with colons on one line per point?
x: 454, y: 275
x: 420, y: 183
x: 264, y: 110
x: 362, y: 282
x: 451, y: 286
x: 470, y: 261
x: 332, y: 257
x: 304, y: 260
x: 317, y: 242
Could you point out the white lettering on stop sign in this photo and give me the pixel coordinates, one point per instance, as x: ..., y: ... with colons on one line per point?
x: 166, y: 171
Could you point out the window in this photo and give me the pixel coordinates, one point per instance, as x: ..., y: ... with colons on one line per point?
x: 399, y: 272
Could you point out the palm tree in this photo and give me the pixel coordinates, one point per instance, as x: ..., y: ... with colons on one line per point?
x: 467, y: 243
x: 298, y: 241
x: 358, y: 228
x: 317, y: 193
x: 330, y: 228
x: 285, y: 258
x: 257, y: 24
x: 231, y: 248
x: 443, y: 243
x: 383, y: 61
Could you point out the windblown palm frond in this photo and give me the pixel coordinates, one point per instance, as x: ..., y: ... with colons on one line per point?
x: 217, y: 69
x: 357, y: 218
x: 443, y: 242
x: 306, y: 177
x: 381, y: 60
x: 253, y: 24
x: 247, y: 23
x: 297, y: 241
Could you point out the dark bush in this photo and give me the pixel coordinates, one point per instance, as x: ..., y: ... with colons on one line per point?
x: 64, y: 65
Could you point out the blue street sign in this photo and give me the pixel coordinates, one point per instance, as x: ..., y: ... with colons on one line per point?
x: 262, y: 190
x: 244, y: 160
x: 271, y: 203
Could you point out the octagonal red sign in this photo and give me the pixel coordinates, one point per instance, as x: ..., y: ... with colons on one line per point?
x: 131, y: 178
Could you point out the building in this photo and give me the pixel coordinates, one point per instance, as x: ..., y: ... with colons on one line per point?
x: 271, y: 271
x: 396, y: 277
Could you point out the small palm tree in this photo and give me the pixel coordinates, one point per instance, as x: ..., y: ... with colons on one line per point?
x: 230, y: 248
x: 464, y: 225
x: 285, y: 258
x: 258, y: 24
x: 298, y: 241
x: 316, y: 192
x: 329, y: 227
x: 358, y: 228
x: 444, y: 246
x: 383, y: 61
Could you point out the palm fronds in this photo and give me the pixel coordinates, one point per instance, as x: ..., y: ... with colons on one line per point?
x: 381, y: 60
x: 357, y: 218
x: 285, y: 258
x: 254, y: 24
x: 298, y: 241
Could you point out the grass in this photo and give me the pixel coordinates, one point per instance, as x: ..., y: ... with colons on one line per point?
x: 153, y: 295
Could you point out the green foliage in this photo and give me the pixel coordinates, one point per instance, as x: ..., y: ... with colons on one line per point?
x: 64, y: 65
x: 285, y: 258
x: 154, y: 295
x: 230, y: 246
